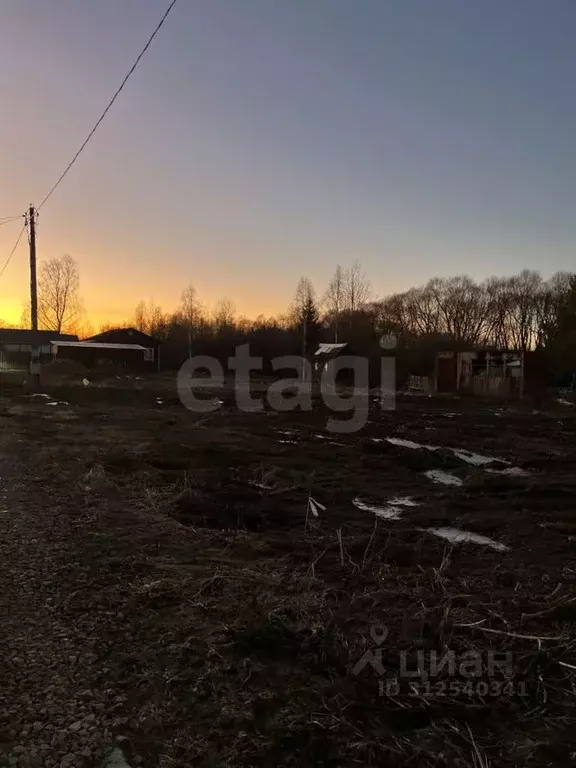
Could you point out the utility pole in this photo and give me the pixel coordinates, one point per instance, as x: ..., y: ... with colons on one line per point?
x: 33, y: 285
x: 35, y: 353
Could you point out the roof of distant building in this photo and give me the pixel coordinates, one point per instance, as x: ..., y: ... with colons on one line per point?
x: 123, y: 333
x: 28, y: 336
x: 95, y: 345
x: 329, y: 349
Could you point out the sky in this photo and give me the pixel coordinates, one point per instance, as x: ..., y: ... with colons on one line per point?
x: 263, y: 140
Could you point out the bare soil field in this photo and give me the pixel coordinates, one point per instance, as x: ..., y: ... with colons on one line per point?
x: 240, y: 566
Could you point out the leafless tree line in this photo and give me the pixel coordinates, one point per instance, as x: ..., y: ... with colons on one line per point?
x: 522, y: 311
x: 517, y: 312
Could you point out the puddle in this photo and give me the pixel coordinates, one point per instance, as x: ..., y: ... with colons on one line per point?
x: 39, y: 394
x: 289, y: 442
x: 389, y: 512
x: 401, y: 443
x: 564, y: 402
x: 473, y: 458
x: 476, y: 459
x: 512, y: 471
x: 403, y: 501
x: 51, y: 403
x: 459, y: 537
x: 444, y: 478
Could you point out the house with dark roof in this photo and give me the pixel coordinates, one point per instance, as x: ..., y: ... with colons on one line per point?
x: 131, y: 336
x: 23, y: 339
x: 18, y: 344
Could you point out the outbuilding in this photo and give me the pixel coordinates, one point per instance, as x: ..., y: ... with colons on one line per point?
x: 130, y: 337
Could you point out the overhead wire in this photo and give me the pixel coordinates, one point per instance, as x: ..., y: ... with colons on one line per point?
x: 110, y: 103
x: 13, y: 251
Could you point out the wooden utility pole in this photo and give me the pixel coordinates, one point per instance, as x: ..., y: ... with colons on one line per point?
x: 33, y: 284
x: 35, y: 353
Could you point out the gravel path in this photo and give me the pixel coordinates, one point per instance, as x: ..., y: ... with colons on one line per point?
x: 51, y: 711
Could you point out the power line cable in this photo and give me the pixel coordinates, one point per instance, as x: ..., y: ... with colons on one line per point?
x: 13, y: 251
x: 9, y: 219
x: 110, y: 103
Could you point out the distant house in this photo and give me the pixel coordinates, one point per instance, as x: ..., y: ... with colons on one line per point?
x: 482, y: 372
x: 17, y: 344
x: 325, y: 355
x: 131, y: 336
x: 23, y: 339
x: 94, y: 354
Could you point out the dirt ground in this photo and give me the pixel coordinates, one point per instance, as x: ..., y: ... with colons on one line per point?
x: 235, y: 615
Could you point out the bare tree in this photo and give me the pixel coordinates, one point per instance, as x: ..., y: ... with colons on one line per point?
x: 189, y: 313
x: 334, y: 299
x: 550, y: 306
x: 461, y: 305
x: 305, y: 314
x: 224, y: 315
x: 524, y: 290
x: 356, y: 288
x: 59, y: 303
x: 148, y: 317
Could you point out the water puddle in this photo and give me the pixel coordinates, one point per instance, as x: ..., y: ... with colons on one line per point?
x: 389, y: 512
x: 458, y: 537
x: 444, y: 478
x: 476, y: 459
x: 403, y: 501
x: 511, y: 471
x: 402, y: 443
x: 564, y: 402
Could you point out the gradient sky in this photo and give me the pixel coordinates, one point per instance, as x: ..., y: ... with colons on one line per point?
x: 261, y: 140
